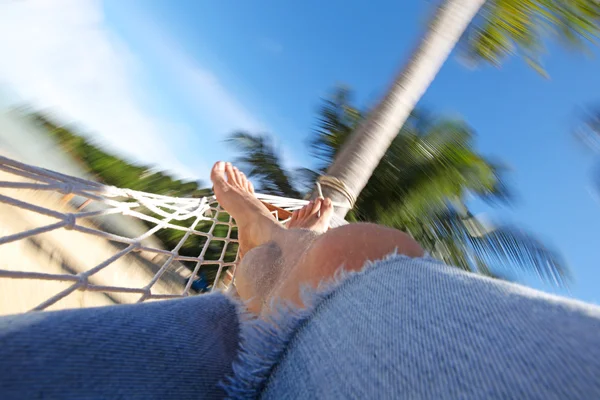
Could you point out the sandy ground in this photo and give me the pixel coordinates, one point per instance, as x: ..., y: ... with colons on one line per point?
x: 65, y: 251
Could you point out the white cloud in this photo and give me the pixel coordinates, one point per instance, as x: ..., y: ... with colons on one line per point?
x: 215, y: 103
x: 61, y: 54
x: 209, y: 95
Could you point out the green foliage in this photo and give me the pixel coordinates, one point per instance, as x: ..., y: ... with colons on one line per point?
x: 336, y: 121
x: 261, y: 161
x: 113, y: 170
x: 507, y: 27
x: 420, y: 186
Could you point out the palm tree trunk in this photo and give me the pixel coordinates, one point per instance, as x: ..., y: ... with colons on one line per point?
x: 360, y: 155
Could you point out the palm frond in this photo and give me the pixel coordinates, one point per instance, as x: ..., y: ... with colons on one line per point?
x: 589, y: 131
x: 505, y: 27
x: 337, y: 119
x: 305, y: 179
x: 510, y: 247
x: 501, y: 247
x: 260, y: 160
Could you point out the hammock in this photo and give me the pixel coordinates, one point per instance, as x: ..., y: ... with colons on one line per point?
x: 106, y: 212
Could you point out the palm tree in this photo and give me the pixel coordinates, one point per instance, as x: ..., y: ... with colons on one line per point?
x: 430, y: 161
x: 502, y: 27
x: 420, y: 186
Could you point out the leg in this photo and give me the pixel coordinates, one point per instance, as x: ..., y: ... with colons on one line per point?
x: 261, y: 236
x: 173, y: 349
x: 416, y: 329
x: 279, y: 261
x: 347, y: 247
x: 264, y: 267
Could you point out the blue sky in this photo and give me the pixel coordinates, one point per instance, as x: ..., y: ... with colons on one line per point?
x: 193, y: 71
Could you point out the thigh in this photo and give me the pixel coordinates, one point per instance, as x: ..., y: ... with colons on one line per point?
x: 416, y: 329
x: 348, y: 247
x: 174, y: 349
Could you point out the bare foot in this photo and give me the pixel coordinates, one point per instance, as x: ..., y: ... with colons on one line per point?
x: 235, y: 194
x: 315, y: 216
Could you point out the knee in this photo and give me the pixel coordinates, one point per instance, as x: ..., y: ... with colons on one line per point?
x: 351, y: 246
x: 347, y: 247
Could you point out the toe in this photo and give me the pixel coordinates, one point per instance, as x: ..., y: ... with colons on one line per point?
x: 327, y: 208
x: 240, y: 178
x: 300, y: 212
x: 217, y: 174
x: 294, y: 216
x: 249, y: 186
x: 304, y: 211
x: 230, y: 174
x: 316, y: 206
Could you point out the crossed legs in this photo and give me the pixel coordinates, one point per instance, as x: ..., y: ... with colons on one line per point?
x: 277, y: 261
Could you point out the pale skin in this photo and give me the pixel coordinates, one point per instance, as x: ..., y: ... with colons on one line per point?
x: 278, y: 261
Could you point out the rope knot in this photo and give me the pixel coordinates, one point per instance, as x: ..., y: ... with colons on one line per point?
x: 70, y: 221
x: 66, y: 188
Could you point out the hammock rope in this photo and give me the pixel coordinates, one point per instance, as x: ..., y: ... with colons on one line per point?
x: 90, y: 201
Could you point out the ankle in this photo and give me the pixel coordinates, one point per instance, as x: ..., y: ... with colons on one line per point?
x: 259, y: 229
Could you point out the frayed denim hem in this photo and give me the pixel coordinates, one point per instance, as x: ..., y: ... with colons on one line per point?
x: 264, y: 341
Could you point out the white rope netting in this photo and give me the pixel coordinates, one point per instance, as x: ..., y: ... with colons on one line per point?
x: 86, y: 229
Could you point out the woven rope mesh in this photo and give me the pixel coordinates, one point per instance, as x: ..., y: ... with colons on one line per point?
x: 68, y: 242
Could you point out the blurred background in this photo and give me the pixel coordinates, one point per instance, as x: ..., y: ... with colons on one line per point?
x: 493, y: 172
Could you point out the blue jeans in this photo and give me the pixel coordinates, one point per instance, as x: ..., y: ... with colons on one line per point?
x: 401, y: 328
